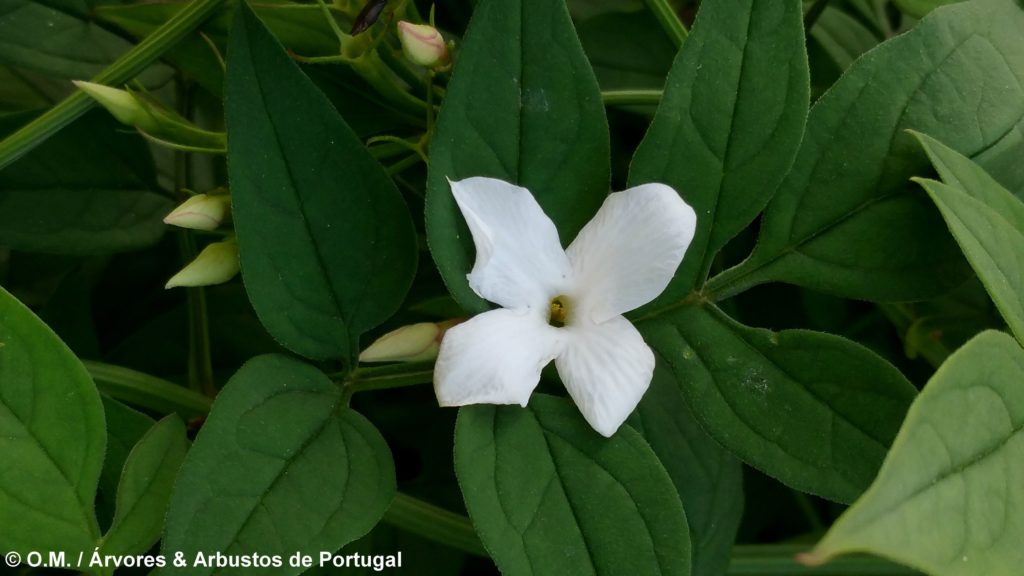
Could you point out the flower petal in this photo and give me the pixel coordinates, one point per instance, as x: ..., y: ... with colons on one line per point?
x: 627, y: 254
x: 606, y: 368
x: 494, y: 358
x: 519, y: 259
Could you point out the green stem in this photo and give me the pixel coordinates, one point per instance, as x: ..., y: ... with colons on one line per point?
x: 129, y: 65
x: 669, y: 20
x: 430, y: 107
x: 399, y: 65
x: 200, y: 363
x: 383, y: 151
x: 903, y: 319
x: 883, y: 19
x: 631, y: 97
x: 737, y: 279
x: 434, y: 523
x: 415, y: 147
x: 404, y: 164
x: 146, y: 391
x: 806, y: 507
x: 332, y: 22
x: 778, y: 560
x: 385, y: 377
x: 814, y: 13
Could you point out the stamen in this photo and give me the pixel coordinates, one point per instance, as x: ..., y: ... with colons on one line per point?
x: 559, y: 311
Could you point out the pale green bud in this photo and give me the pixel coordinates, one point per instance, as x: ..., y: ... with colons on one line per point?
x: 155, y: 122
x: 412, y: 343
x: 201, y: 212
x: 122, y: 104
x: 216, y: 264
x: 422, y: 44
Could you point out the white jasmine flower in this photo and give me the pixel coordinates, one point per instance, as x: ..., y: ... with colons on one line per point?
x: 561, y: 305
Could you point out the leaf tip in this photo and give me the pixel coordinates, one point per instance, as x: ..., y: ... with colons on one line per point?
x: 812, y: 558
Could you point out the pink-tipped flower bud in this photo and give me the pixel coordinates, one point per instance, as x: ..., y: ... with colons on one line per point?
x: 422, y: 44
x: 216, y: 264
x: 412, y: 343
x: 201, y: 212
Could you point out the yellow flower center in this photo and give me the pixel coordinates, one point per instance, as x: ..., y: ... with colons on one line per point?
x: 558, y: 314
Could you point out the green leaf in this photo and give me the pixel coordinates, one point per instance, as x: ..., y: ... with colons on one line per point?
x: 282, y: 465
x: 842, y: 37
x: 366, y: 112
x: 22, y: 90
x: 623, y: 51
x: 415, y: 516
x: 950, y: 496
x: 919, y: 8
x: 845, y: 220
x: 730, y: 122
x: 708, y: 478
x: 522, y: 106
x: 548, y: 495
x: 815, y: 411
x: 328, y: 248
x: 988, y: 222
x: 145, y: 489
x: 84, y: 191
x: 417, y: 551
x: 60, y: 40
x: 300, y: 27
x: 125, y: 427
x: 128, y: 66
x: 52, y: 439
x: 147, y: 391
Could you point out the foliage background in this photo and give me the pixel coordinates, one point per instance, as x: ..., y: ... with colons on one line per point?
x: 82, y: 245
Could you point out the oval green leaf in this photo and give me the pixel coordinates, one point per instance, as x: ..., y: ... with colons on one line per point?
x: 52, y: 438
x: 282, y: 465
x: 125, y: 427
x: 729, y: 123
x: 145, y: 489
x: 708, y: 478
x: 522, y: 106
x: 815, y: 411
x: 988, y: 222
x: 846, y: 220
x: 85, y: 191
x: 328, y: 248
x: 950, y: 497
x: 548, y: 495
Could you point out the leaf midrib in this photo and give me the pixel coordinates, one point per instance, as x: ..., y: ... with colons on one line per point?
x: 955, y: 470
x: 286, y: 462
x: 53, y: 462
x: 320, y: 261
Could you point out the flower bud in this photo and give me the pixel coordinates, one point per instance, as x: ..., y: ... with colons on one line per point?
x: 156, y: 123
x: 422, y: 44
x: 216, y: 264
x: 122, y: 104
x: 412, y: 343
x: 201, y: 212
